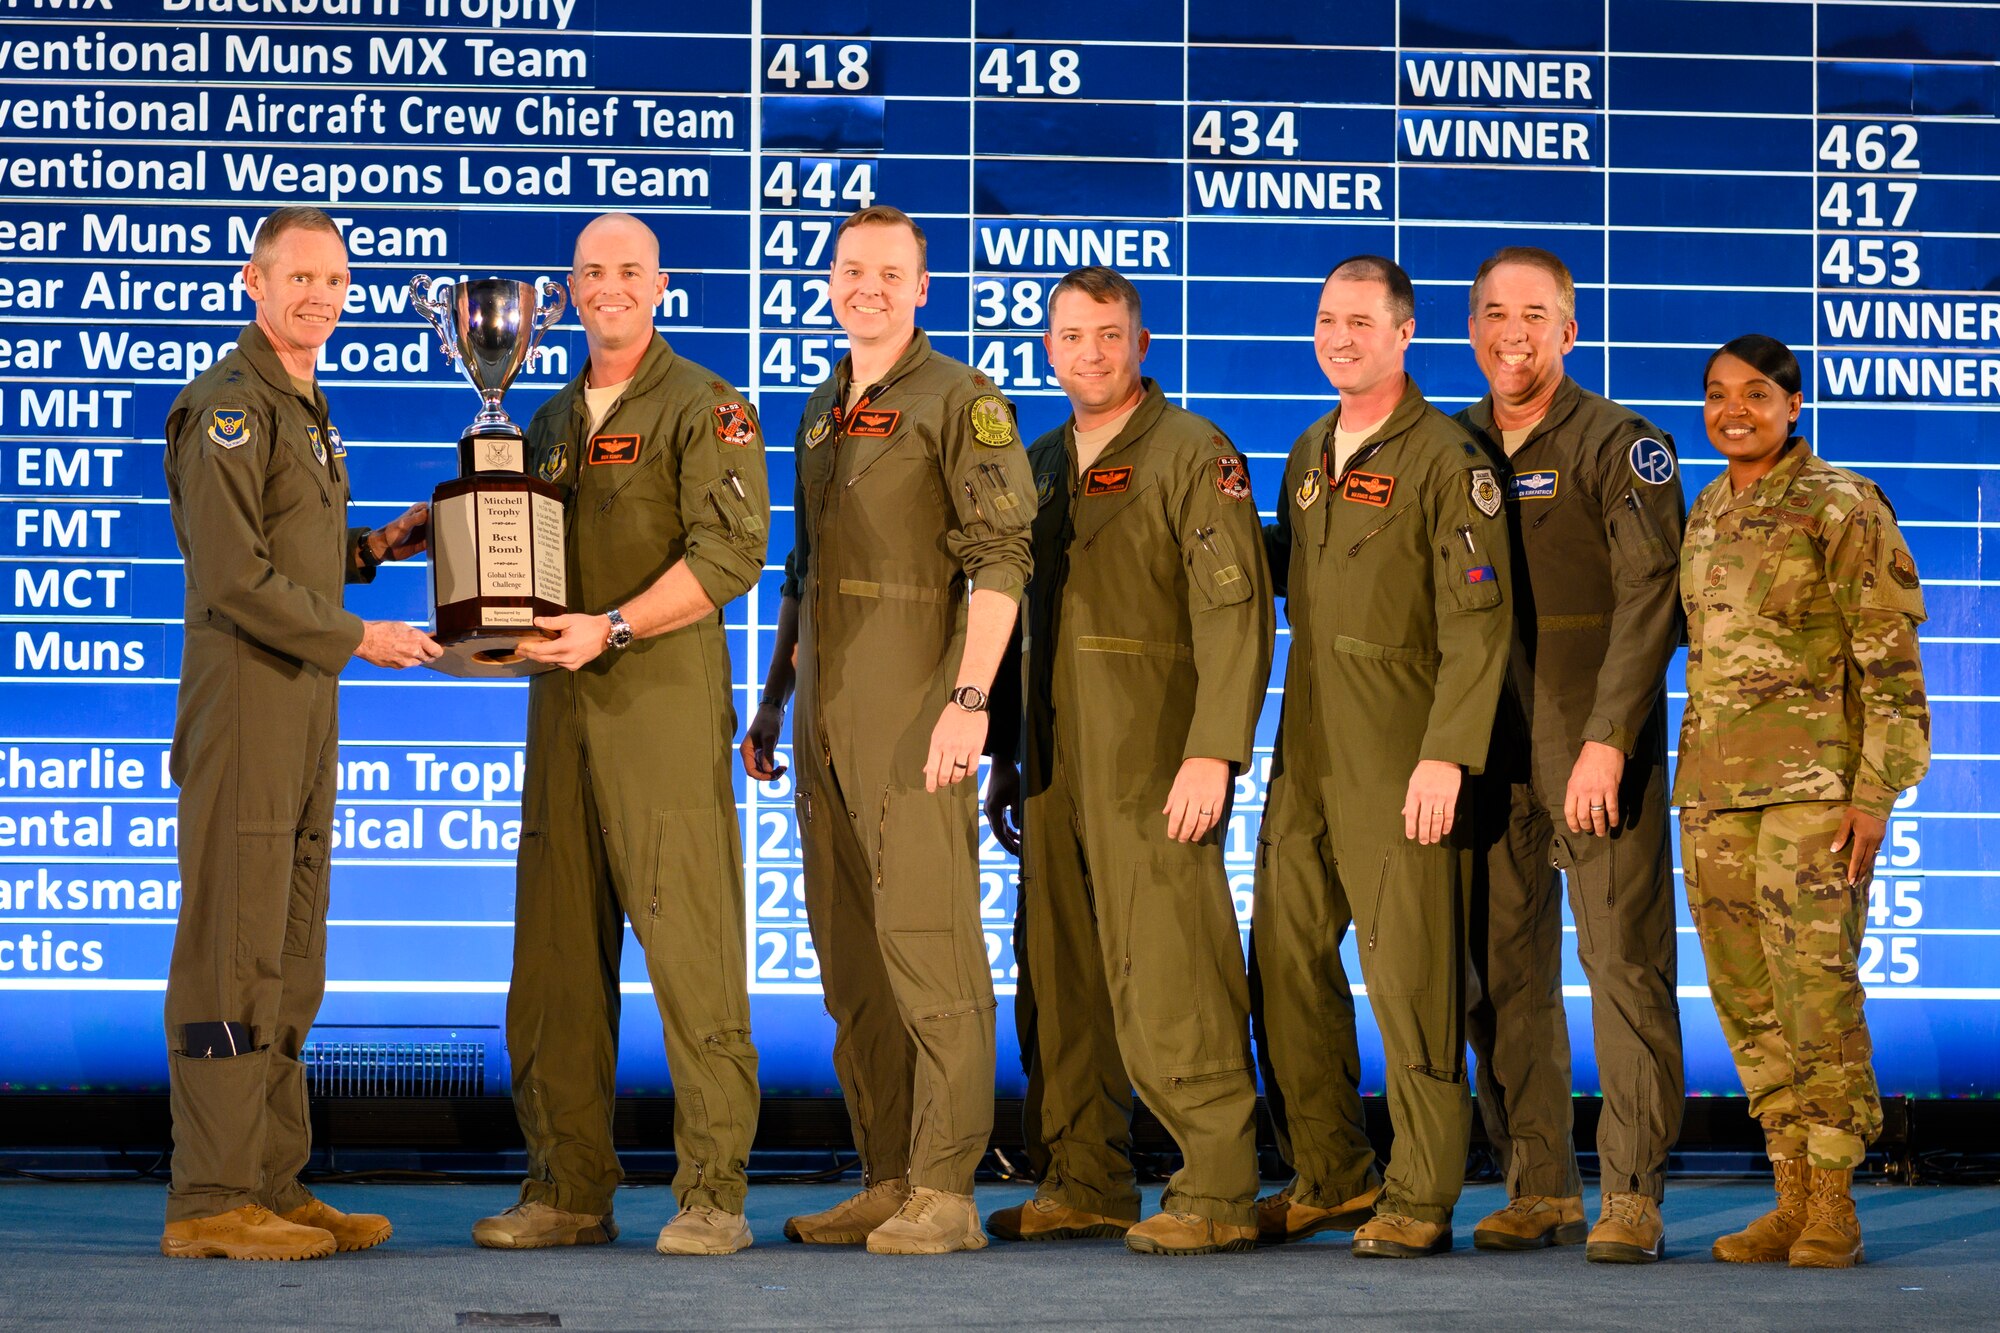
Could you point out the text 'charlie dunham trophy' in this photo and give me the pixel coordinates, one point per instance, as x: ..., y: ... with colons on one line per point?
x: 496, y: 532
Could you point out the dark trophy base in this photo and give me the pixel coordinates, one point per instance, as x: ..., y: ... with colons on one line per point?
x: 496, y: 550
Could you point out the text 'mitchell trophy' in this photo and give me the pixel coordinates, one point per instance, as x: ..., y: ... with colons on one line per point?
x: 496, y: 533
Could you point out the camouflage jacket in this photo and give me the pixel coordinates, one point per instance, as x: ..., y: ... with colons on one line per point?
x: 1803, y: 677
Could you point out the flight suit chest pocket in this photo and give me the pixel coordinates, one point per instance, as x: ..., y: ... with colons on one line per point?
x: 1469, y: 571
x: 1215, y: 567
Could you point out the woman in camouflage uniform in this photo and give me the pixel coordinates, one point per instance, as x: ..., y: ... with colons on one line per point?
x: 1805, y: 718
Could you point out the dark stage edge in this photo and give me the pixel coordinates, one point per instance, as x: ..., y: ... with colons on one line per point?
x: 85, y: 1256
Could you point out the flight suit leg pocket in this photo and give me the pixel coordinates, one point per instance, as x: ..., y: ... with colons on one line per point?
x: 1178, y: 922
x: 305, y: 909
x: 261, y: 900
x: 687, y: 917
x: 927, y: 897
x: 1410, y: 937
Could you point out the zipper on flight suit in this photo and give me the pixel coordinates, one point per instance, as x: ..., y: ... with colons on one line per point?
x: 1367, y: 536
x: 1375, y: 923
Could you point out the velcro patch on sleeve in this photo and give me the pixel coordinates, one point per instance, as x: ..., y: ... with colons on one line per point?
x: 229, y: 426
x: 1232, y: 478
x: 732, y: 425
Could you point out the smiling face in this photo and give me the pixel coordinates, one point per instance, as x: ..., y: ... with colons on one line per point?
x: 877, y: 283
x: 299, y: 290
x: 1095, y: 350
x: 1357, y: 339
x: 1749, y: 417
x: 615, y: 282
x: 1520, y: 335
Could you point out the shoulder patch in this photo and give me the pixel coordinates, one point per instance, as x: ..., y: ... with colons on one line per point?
x: 1232, y: 478
x: 1309, y: 489
x: 229, y: 426
x: 554, y: 461
x: 873, y: 422
x: 1486, y: 496
x: 992, y: 423
x: 821, y: 428
x: 1902, y: 568
x: 732, y: 425
x: 1106, y: 480
x: 1368, y: 488
x: 1651, y: 461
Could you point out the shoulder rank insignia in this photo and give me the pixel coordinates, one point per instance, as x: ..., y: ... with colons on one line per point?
x: 732, y: 425
x: 318, y: 444
x: 1485, y: 492
x: 1106, y: 480
x: 338, y: 445
x: 554, y: 461
x: 1232, y: 479
x: 873, y: 422
x: 1651, y: 461
x: 613, y: 449
x: 1309, y: 489
x: 229, y: 426
x: 820, y: 430
x: 992, y: 423
x: 1902, y: 568
x: 1369, y: 488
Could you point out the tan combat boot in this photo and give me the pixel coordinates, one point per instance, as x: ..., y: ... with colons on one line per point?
x: 1628, y: 1231
x: 1051, y: 1219
x: 1832, y: 1236
x: 1397, y: 1236
x: 537, y: 1226
x: 1532, y: 1222
x: 351, y: 1231
x: 1769, y: 1239
x: 1188, y: 1233
x: 249, y: 1232
x: 930, y: 1222
x: 1282, y: 1219
x: 849, y: 1221
x: 704, y: 1230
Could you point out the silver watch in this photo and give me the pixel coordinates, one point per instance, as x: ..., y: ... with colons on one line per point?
x: 621, y: 633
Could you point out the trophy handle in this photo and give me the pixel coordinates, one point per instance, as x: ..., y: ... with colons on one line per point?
x: 547, y: 311
x: 437, y: 312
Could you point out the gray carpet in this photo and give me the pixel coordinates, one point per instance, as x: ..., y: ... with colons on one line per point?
x: 86, y: 1256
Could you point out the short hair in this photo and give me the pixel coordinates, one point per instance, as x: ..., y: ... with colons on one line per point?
x: 1374, y: 268
x: 1100, y: 284
x: 294, y: 217
x: 1530, y: 256
x: 885, y: 215
x: 1764, y: 354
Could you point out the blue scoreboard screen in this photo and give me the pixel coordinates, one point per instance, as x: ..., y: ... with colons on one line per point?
x: 1828, y: 173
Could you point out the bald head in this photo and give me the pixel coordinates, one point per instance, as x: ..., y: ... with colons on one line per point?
x: 620, y: 230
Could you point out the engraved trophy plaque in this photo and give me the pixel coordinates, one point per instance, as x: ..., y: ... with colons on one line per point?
x: 496, y: 533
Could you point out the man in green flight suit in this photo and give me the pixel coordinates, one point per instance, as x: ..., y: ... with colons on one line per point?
x: 1577, y: 782
x: 1391, y: 551
x: 913, y: 492
x: 257, y: 485
x: 1148, y: 634
x: 628, y: 810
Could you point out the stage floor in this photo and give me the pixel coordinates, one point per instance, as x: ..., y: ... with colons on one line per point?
x: 86, y: 1256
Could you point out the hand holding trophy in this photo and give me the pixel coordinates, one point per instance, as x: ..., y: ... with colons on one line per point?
x: 496, y: 533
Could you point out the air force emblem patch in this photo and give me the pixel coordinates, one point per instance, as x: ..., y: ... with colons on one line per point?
x: 1486, y: 492
x: 229, y: 426
x: 318, y: 444
x: 554, y: 461
x: 1309, y: 489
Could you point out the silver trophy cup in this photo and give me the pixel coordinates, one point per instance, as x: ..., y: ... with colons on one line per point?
x: 496, y: 533
x: 489, y: 328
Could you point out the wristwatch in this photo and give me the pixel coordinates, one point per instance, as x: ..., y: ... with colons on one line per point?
x: 369, y: 560
x: 970, y: 697
x: 621, y: 633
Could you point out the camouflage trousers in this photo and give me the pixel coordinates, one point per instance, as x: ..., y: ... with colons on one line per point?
x: 1781, y: 930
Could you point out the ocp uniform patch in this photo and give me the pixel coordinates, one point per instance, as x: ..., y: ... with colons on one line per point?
x: 1902, y: 568
x: 229, y: 426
